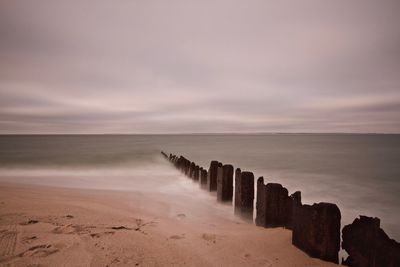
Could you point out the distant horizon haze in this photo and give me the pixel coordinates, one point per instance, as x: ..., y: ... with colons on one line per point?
x: 212, y: 133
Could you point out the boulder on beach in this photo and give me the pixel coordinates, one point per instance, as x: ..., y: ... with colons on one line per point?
x: 368, y: 245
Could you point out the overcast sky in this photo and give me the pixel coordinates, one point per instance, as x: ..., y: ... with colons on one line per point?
x: 125, y: 66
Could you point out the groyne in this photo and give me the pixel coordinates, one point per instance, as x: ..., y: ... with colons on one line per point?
x: 316, y: 229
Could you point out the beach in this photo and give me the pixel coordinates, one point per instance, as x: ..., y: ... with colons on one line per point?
x: 49, y: 226
x: 116, y: 201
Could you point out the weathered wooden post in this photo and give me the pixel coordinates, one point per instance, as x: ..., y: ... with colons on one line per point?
x: 238, y: 191
x: 260, y: 203
x: 295, y: 203
x: 274, y: 206
x: 182, y: 164
x: 172, y: 158
x: 316, y: 230
x: 278, y: 205
x: 191, y: 169
x: 244, y: 194
x: 195, y: 174
x: 187, y: 166
x: 212, y: 176
x: 203, y: 178
x: 225, y: 183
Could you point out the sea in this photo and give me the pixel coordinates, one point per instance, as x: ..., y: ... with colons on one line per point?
x: 358, y: 172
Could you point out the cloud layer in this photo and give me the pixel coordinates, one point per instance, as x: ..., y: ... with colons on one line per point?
x: 199, y: 66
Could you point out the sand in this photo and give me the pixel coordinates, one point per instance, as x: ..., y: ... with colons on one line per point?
x: 48, y: 226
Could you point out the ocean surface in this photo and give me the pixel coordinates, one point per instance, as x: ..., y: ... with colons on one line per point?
x: 360, y: 173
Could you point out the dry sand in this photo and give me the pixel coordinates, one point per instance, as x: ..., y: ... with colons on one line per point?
x: 45, y: 226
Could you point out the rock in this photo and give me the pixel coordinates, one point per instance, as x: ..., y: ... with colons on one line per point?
x: 244, y: 194
x: 225, y: 183
x: 212, y: 176
x: 316, y: 230
x: 368, y: 245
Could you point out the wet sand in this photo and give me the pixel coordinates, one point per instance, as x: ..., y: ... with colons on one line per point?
x: 48, y: 226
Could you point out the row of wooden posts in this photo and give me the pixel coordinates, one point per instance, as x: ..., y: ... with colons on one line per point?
x: 315, y: 228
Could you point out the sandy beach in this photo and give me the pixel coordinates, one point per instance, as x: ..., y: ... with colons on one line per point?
x: 48, y: 226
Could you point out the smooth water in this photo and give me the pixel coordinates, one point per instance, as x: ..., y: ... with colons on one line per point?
x: 360, y: 173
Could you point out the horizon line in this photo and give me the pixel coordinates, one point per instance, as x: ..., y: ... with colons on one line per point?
x: 211, y: 133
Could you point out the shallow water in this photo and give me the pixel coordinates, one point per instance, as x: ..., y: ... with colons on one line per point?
x: 360, y: 173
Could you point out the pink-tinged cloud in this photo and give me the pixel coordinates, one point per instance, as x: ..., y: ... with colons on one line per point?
x: 199, y: 66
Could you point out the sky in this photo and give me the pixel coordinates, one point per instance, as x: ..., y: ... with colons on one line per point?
x: 126, y: 66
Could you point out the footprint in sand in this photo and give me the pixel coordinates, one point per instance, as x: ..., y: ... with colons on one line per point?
x: 109, y: 232
x: 29, y: 239
x: 95, y: 235
x: 98, y: 235
x: 209, y: 237
x: 73, y: 229
x: 181, y: 216
x: 8, y: 241
x: 39, y: 251
x: 29, y: 222
x: 140, y: 224
x: 257, y: 260
x: 176, y: 237
x: 120, y: 228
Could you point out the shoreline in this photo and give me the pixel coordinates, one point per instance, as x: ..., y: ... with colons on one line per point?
x: 87, y: 227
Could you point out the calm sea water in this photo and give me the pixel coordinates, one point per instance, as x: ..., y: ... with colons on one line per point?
x: 360, y: 173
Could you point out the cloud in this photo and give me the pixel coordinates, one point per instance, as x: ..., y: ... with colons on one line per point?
x: 187, y: 66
